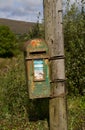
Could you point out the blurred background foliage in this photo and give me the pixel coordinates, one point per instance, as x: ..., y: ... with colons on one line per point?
x: 16, y: 110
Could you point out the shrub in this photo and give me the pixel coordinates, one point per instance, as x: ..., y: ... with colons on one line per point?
x: 8, y: 45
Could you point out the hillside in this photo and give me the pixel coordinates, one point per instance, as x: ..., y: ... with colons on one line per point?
x: 18, y: 27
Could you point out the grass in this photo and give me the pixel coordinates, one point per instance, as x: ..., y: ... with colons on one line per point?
x: 76, y: 113
x: 14, y: 103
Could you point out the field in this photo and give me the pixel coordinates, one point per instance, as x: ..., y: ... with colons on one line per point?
x: 18, y: 27
x: 18, y: 113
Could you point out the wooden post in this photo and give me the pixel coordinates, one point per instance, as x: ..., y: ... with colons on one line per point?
x: 54, y: 38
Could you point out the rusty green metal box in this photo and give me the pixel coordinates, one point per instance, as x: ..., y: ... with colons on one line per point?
x: 37, y: 68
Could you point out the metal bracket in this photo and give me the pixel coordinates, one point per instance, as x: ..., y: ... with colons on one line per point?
x: 58, y: 80
x: 57, y: 57
x: 62, y: 95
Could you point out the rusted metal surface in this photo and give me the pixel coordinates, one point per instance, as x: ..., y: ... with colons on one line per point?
x: 37, y: 68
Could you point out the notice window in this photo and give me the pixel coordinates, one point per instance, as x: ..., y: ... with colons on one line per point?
x: 38, y: 69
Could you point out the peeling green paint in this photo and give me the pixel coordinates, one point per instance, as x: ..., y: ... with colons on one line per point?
x: 37, y: 69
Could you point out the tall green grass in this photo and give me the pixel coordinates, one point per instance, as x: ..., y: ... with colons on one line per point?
x: 16, y: 109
